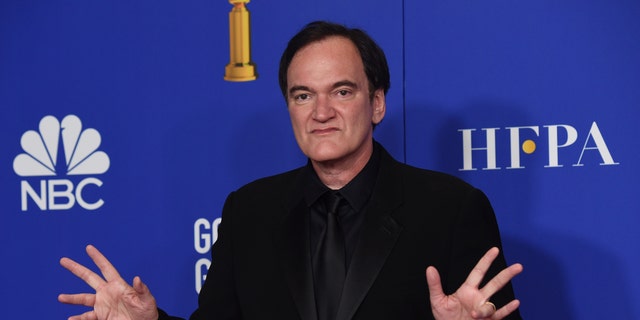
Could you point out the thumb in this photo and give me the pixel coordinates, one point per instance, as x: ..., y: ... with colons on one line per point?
x: 435, y: 286
x: 141, y: 289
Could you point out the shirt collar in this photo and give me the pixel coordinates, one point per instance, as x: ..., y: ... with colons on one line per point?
x: 357, y: 192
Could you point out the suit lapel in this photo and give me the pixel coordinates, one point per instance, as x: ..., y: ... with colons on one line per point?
x: 379, y: 234
x: 292, y: 240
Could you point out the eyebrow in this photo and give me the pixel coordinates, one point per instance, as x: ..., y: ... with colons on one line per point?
x: 298, y: 88
x: 345, y: 83
x: 338, y: 84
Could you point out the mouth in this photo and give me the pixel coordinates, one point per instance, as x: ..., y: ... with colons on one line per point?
x: 324, y: 131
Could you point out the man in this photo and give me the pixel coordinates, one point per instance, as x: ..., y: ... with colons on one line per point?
x: 349, y: 235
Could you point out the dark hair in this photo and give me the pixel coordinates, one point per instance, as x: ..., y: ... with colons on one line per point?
x: 373, y: 58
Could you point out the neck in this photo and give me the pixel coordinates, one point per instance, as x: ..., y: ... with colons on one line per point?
x: 335, y: 174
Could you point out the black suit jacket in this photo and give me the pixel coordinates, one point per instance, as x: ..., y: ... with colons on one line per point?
x: 261, y: 266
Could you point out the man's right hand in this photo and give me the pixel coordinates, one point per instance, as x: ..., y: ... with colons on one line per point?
x: 114, y: 298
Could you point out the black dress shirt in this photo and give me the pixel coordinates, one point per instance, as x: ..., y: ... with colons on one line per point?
x: 357, y: 193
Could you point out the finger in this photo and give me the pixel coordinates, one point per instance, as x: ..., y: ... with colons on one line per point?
x: 506, y: 310
x: 484, y: 311
x: 435, y: 286
x: 477, y: 274
x: 108, y: 270
x: 85, y: 299
x: 143, y: 291
x: 140, y: 287
x: 501, y: 279
x: 90, y: 277
x: 89, y: 315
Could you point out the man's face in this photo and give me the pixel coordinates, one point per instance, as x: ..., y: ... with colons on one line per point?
x: 329, y: 103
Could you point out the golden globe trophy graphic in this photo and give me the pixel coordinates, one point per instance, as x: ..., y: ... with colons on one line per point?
x: 240, y: 68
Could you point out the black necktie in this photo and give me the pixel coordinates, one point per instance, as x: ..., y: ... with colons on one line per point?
x: 329, y: 262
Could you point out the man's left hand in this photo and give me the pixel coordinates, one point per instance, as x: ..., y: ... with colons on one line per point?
x: 470, y: 301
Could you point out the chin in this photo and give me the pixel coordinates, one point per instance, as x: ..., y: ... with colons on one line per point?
x: 322, y: 154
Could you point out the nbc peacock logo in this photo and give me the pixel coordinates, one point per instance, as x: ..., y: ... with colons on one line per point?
x: 56, y: 149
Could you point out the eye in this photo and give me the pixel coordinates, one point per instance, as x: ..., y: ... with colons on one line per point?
x: 343, y: 93
x: 301, y: 97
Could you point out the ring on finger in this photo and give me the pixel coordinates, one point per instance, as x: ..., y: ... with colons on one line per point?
x: 493, y: 306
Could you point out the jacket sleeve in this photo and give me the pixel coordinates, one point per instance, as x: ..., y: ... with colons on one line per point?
x: 476, y: 231
x: 162, y: 315
x: 217, y: 298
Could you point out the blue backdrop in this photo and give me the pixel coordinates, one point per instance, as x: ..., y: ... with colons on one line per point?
x: 534, y: 102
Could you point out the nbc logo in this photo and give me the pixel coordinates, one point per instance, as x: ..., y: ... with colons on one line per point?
x: 60, y: 148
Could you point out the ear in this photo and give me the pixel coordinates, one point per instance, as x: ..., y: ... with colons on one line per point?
x: 379, y: 104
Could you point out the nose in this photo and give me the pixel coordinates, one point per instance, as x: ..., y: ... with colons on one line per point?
x: 323, y: 109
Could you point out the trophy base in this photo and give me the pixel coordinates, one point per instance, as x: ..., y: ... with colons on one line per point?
x: 238, y: 72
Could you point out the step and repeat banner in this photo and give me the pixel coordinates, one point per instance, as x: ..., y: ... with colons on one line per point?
x: 119, y: 130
